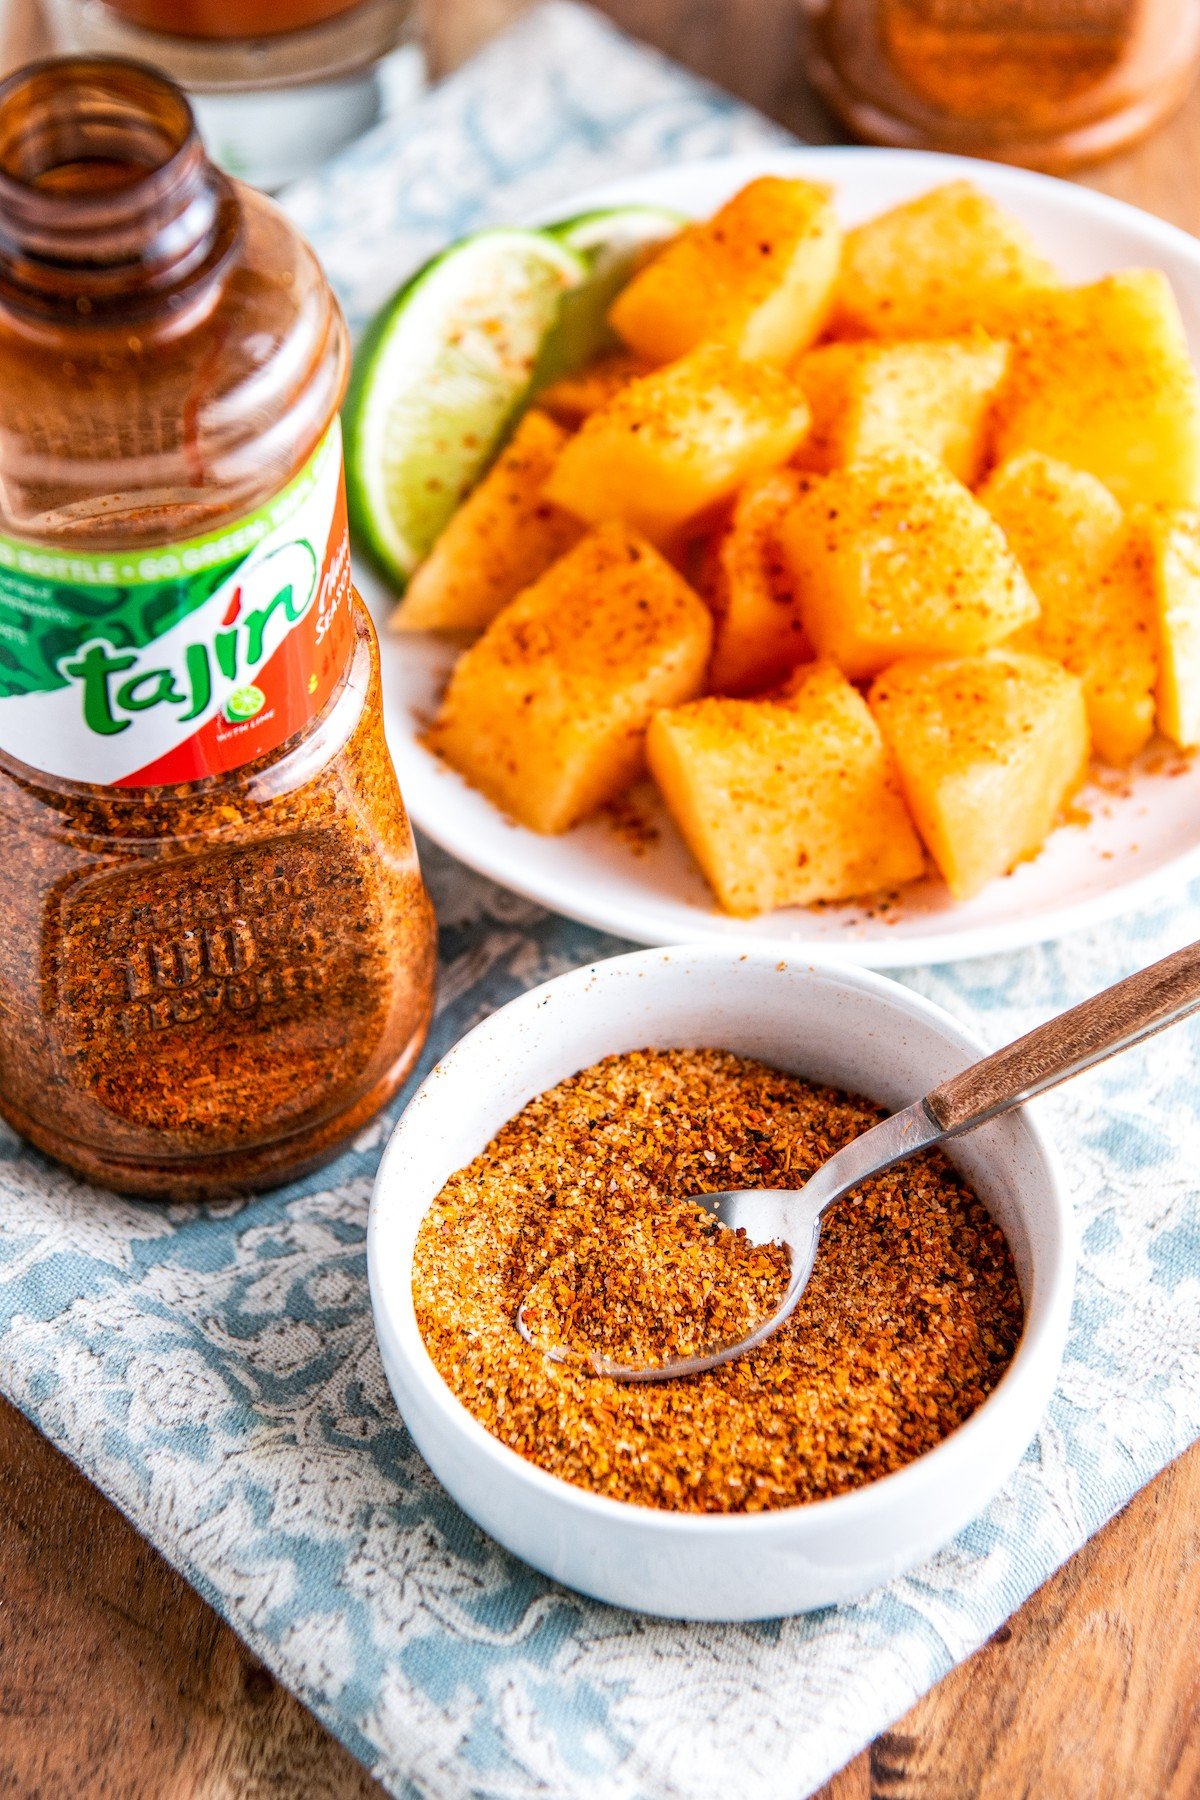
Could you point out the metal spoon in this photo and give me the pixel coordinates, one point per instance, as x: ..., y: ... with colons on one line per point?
x: 1116, y: 1019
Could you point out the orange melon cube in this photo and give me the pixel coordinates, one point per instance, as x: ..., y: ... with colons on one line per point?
x: 935, y: 395
x: 1171, y: 538
x: 1073, y: 542
x: 546, y: 713
x: 758, y: 633
x: 892, y: 557
x: 575, y: 397
x: 1101, y: 379
x: 758, y: 276
x: 944, y: 263
x: 677, y: 442
x: 503, y: 536
x: 785, y: 801
x: 988, y: 748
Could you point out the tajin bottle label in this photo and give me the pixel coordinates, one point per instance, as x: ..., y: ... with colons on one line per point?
x: 157, y: 665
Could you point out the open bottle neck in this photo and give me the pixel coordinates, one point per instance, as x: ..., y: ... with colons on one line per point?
x: 109, y: 208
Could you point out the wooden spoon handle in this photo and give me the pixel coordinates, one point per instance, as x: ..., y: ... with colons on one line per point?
x: 1109, y: 1022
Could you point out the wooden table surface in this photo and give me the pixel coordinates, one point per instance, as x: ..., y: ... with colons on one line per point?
x: 117, y: 1680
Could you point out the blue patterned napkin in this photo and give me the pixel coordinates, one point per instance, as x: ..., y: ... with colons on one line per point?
x: 215, y: 1371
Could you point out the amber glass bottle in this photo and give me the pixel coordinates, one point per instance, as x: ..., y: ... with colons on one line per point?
x: 216, y: 952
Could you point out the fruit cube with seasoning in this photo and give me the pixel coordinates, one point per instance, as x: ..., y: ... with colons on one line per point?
x: 758, y: 276
x: 503, y: 536
x: 989, y: 749
x: 893, y: 557
x: 575, y: 397
x: 948, y: 261
x: 758, y: 634
x: 1073, y: 542
x: 1170, y: 537
x: 678, y: 441
x: 788, y: 800
x: 1101, y: 379
x: 935, y: 395
x: 546, y: 713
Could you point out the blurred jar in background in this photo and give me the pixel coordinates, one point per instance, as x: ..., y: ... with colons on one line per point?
x: 1048, y: 83
x: 277, y: 86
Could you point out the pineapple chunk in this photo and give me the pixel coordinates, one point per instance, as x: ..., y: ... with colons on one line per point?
x: 785, y: 801
x: 503, y: 536
x: 893, y: 557
x: 988, y: 748
x: 573, y: 398
x: 759, y: 636
x: 678, y: 441
x: 758, y: 275
x: 546, y: 713
x: 1071, y: 538
x: 1101, y: 379
x: 936, y: 266
x: 1171, y: 539
x: 934, y: 396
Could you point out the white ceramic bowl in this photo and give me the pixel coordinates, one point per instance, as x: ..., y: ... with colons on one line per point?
x: 857, y: 1030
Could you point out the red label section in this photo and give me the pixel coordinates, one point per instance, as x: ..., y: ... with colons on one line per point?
x: 290, y: 688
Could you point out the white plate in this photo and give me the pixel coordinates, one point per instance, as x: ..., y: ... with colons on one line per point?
x: 1142, y: 833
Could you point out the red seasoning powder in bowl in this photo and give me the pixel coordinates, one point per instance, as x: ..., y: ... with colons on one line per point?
x: 912, y: 1314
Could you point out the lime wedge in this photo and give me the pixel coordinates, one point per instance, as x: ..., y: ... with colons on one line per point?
x: 437, y: 380
x: 612, y: 242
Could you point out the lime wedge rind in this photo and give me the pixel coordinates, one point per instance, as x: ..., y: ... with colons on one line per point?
x: 438, y: 379
x: 612, y: 240
x: 609, y: 229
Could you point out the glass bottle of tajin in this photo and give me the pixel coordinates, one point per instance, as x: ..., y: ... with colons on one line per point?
x: 216, y: 951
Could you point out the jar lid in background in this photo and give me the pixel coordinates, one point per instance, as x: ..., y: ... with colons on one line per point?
x: 271, y: 107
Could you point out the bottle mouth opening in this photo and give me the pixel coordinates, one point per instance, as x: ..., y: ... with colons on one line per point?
x: 89, y: 132
x: 108, y: 204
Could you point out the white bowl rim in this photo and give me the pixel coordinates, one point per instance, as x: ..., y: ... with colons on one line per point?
x: 394, y: 1310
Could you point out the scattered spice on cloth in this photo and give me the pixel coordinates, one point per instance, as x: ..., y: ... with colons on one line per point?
x: 912, y: 1314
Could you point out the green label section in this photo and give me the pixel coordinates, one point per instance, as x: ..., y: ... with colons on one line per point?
x: 42, y: 623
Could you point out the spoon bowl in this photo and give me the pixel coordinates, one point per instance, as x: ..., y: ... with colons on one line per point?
x: 788, y: 1216
x: 739, y: 1210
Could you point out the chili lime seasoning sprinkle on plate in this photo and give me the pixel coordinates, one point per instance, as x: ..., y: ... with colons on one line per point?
x: 912, y: 1314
